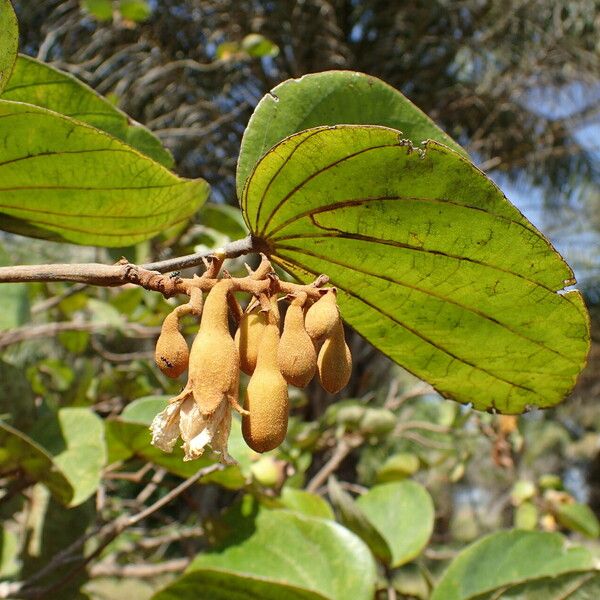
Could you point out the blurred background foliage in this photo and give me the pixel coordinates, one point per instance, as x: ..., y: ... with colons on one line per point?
x: 515, y: 82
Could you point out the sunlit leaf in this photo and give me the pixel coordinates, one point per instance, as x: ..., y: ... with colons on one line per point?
x: 506, y: 559
x: 9, y: 41
x: 578, y: 517
x: 434, y: 266
x: 66, y: 181
x: 331, y: 98
x: 259, y: 46
x: 37, y: 83
x: 276, y: 554
x: 403, y: 513
x: 135, y: 10
x: 99, y: 9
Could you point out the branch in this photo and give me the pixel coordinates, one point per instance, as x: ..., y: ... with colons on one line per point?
x: 106, y: 534
x: 122, y: 272
x: 175, y: 565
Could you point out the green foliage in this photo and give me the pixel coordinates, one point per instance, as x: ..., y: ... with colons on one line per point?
x: 36, y: 83
x: 430, y: 259
x: 263, y: 552
x: 403, y: 513
x: 120, y: 188
x: 9, y: 41
x: 330, y: 98
x: 506, y: 559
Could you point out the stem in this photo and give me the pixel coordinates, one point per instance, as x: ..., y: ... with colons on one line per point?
x: 120, y: 273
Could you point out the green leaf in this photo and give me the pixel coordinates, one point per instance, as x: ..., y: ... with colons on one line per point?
x: 225, y: 585
x: 66, y: 181
x: 305, y: 502
x: 331, y: 98
x: 225, y: 219
x: 506, y: 559
x: 259, y: 46
x: 280, y: 554
x: 9, y: 41
x: 398, y: 467
x: 352, y: 517
x: 135, y: 10
x: 100, y: 9
x: 573, y: 586
x: 75, y: 439
x: 578, y: 517
x: 434, y: 266
x: 403, y: 513
x: 37, y: 83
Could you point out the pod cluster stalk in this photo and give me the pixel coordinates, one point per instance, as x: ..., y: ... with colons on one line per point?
x: 311, y: 341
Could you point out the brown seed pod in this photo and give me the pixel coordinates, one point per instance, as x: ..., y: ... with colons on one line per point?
x: 322, y: 316
x: 248, y: 336
x: 214, y: 359
x: 296, y: 355
x: 172, y: 353
x: 335, y: 361
x: 267, y: 403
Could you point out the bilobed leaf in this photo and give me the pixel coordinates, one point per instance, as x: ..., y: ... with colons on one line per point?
x: 299, y: 557
x: 506, y: 559
x: 135, y: 10
x: 434, y: 266
x: 63, y: 180
x: 9, y: 41
x: 35, y: 82
x: 403, y: 513
x: 100, y: 9
x: 331, y: 98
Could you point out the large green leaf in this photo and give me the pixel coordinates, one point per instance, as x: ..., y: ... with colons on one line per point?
x: 506, y: 559
x: 434, y: 266
x: 573, y: 586
x: 280, y: 554
x: 37, y: 83
x: 9, y: 41
x: 331, y: 98
x: 61, y: 179
x: 403, y: 513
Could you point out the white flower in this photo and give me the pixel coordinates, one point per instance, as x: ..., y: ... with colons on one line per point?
x: 182, y: 417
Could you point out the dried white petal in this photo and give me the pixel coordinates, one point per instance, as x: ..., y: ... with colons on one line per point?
x: 165, y: 427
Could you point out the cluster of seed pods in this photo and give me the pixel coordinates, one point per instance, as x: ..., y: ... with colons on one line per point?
x: 310, y: 342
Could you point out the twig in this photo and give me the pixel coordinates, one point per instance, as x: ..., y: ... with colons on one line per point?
x: 106, y: 534
x: 139, y: 570
x: 122, y: 272
x: 341, y: 451
x: 30, y: 332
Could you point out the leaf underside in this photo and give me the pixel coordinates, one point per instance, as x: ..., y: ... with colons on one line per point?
x: 9, y: 39
x: 36, y: 83
x: 331, y: 98
x: 63, y: 180
x: 434, y: 266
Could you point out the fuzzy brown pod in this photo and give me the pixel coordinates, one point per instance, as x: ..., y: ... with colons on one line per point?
x: 248, y: 336
x: 334, y: 362
x: 171, y: 353
x: 214, y: 360
x: 296, y: 354
x: 322, y: 316
x: 265, y: 426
